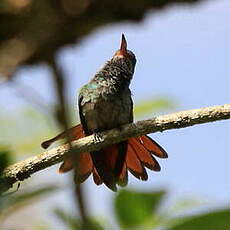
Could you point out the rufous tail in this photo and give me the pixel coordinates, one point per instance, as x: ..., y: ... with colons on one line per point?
x: 73, y: 133
x: 111, y: 164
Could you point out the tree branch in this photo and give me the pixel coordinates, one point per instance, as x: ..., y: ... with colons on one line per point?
x: 24, y: 169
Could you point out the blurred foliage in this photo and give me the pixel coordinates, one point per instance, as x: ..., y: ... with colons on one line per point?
x: 186, y: 204
x: 216, y: 220
x: 142, y: 210
x: 5, y: 158
x: 14, y: 201
x: 72, y: 223
x: 136, y: 208
x: 68, y: 220
x: 146, y: 211
x: 153, y: 105
x: 133, y: 210
x: 30, y: 124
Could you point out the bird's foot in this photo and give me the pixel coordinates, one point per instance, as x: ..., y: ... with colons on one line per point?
x: 97, y: 137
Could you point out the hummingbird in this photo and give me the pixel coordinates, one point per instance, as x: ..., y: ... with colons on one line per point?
x: 106, y: 103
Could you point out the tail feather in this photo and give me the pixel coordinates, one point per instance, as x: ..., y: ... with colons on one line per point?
x: 66, y: 166
x: 73, y: 133
x: 96, y: 178
x: 153, y: 146
x: 111, y: 164
x: 134, y: 164
x: 103, y: 169
x: 144, y: 155
x: 84, y: 167
x: 123, y: 177
x: 85, y: 163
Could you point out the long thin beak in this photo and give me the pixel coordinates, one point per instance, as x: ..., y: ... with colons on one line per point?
x: 123, y: 47
x: 122, y: 52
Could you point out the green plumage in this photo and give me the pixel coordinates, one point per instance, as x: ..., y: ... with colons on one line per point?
x: 105, y: 103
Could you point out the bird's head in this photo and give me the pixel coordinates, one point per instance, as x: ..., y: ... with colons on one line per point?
x: 123, y: 54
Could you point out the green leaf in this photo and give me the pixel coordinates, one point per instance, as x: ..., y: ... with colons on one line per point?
x: 136, y: 208
x: 217, y: 220
x: 152, y: 105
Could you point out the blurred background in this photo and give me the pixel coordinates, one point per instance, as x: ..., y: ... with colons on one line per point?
x: 182, y: 63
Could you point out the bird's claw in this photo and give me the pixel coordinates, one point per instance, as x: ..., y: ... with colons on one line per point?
x: 97, y: 137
